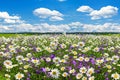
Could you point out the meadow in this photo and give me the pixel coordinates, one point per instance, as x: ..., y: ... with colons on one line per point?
x: 59, y: 57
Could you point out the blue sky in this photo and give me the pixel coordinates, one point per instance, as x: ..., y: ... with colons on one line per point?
x: 59, y: 16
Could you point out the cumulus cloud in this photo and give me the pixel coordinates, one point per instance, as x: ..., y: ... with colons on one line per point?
x: 9, y: 19
x: 85, y: 9
x: 70, y: 27
x: 53, y: 15
x: 5, y: 15
x: 55, y: 18
x: 13, y: 23
x: 104, y: 12
x: 43, y: 27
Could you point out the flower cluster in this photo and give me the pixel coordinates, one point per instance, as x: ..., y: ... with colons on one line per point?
x: 63, y: 57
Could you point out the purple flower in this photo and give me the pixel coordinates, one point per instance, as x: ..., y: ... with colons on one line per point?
x: 43, y: 70
x: 69, y: 68
x: 107, y: 78
x: 74, y: 62
x: 71, y: 47
x: 106, y: 74
x: 80, y: 65
x: 37, y: 71
x: 97, y: 71
x: 28, y: 79
x: 28, y: 74
x: 52, y: 56
x: 92, y: 61
x: 34, y: 48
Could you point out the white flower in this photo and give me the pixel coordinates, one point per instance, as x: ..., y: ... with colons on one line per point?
x: 115, y: 58
x: 111, y: 49
x: 25, y: 71
x: 29, y: 55
x: 96, y: 49
x: 57, y: 64
x: 7, y: 63
x: 115, y: 76
x: 109, y: 71
x: 65, y: 56
x: 35, y: 61
x: 19, y: 58
x: 87, y: 59
x: 19, y: 76
x: 74, y: 52
x: 90, y: 71
x: 99, y: 61
x: 47, y: 69
x: 108, y: 59
x: 91, y: 78
x: 79, y: 75
x: 84, y: 78
x: 10, y: 46
x: 26, y: 59
x: 26, y: 66
x: 23, y: 48
x: 55, y: 73
x: 38, y: 49
x: 63, y: 45
x: 62, y: 68
x: 81, y: 44
x: 48, y: 59
x: 65, y: 74
x: 7, y: 76
x: 80, y: 58
x: 48, y: 49
x: 53, y: 45
x: 63, y: 61
x: 56, y: 60
x: 72, y: 71
x: 106, y: 55
x: 74, y: 45
x: 13, y: 50
x: 2, y: 46
x: 9, y: 67
x: 109, y: 66
x: 7, y: 54
x: 83, y: 70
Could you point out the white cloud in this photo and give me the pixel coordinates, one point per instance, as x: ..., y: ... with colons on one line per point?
x: 71, y: 27
x: 84, y: 9
x: 47, y: 13
x: 106, y: 27
x: 76, y: 24
x: 45, y: 27
x: 9, y: 19
x: 55, y: 18
x: 5, y: 15
x: 15, y: 24
x: 12, y: 21
x: 104, y: 12
x: 4, y: 27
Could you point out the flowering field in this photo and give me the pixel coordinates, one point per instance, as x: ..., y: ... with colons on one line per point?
x: 60, y: 57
